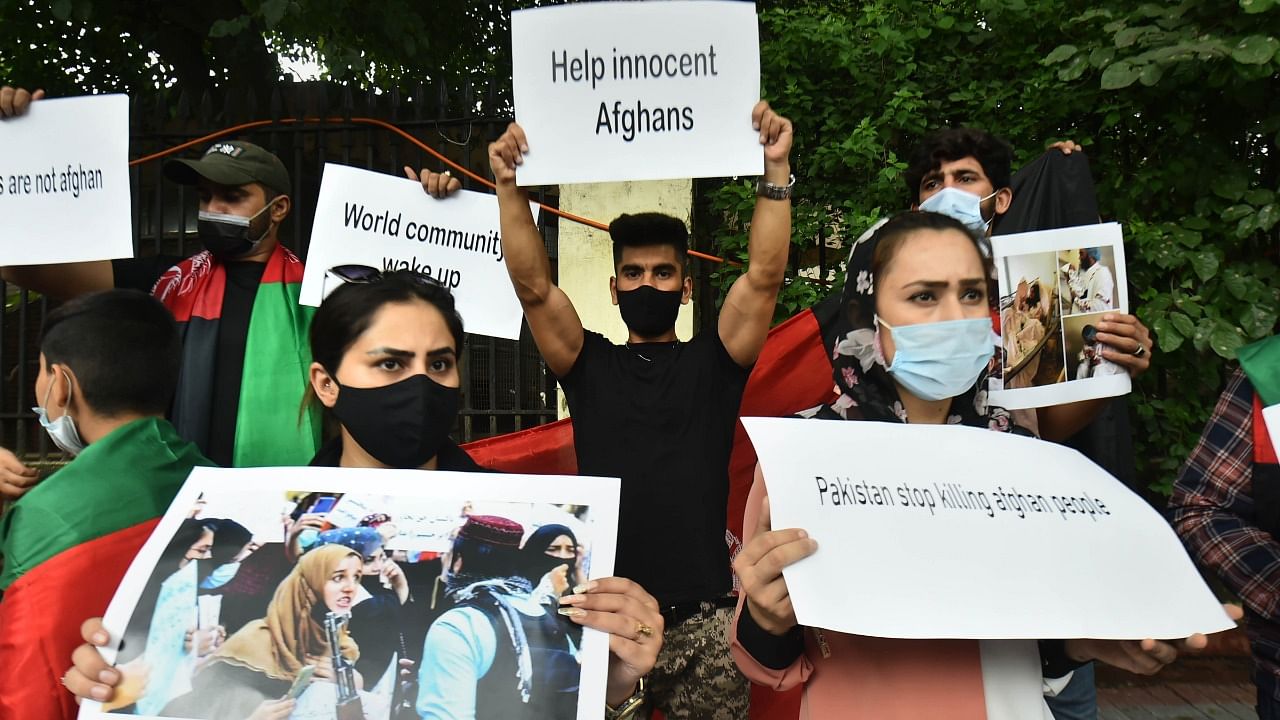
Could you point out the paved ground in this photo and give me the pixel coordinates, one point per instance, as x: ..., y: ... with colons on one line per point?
x: 1191, y: 689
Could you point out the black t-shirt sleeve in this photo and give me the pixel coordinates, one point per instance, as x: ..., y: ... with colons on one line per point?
x: 142, y: 273
x: 593, y: 344
x: 775, y: 652
x: 729, y: 368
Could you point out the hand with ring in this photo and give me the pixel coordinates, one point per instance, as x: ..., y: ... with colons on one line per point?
x: 631, y: 616
x: 1126, y: 341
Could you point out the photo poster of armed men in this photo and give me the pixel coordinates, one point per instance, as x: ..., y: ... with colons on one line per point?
x: 361, y: 594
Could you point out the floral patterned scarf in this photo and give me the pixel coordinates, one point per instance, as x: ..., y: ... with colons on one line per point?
x: 866, y: 390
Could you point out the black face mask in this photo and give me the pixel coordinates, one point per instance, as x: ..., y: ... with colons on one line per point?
x: 231, y: 236
x: 402, y: 425
x: 648, y: 311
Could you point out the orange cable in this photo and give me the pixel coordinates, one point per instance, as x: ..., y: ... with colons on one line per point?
x: 388, y: 126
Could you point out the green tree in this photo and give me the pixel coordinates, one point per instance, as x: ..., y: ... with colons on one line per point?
x: 216, y: 46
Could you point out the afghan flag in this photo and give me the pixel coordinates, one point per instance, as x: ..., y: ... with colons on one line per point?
x: 1261, y: 364
x: 277, y: 357
x: 67, y: 544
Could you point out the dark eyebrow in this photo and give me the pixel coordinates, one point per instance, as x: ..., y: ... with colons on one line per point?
x: 442, y: 352
x: 631, y: 267
x: 943, y: 284
x: 933, y: 174
x: 393, y: 352
x: 669, y: 267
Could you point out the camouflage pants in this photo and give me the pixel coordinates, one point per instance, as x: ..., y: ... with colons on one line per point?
x: 695, y: 678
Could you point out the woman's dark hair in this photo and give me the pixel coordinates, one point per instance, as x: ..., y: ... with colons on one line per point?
x: 349, y: 310
x: 888, y: 239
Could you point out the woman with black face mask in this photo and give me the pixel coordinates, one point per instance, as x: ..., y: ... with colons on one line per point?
x: 386, y: 349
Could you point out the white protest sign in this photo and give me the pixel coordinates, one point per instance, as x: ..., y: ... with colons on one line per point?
x: 1055, y: 287
x: 937, y: 531
x: 64, y: 182
x: 389, y: 223
x: 636, y: 91
x: 240, y: 493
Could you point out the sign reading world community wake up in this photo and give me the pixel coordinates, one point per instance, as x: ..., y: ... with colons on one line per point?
x: 385, y: 223
x: 636, y: 91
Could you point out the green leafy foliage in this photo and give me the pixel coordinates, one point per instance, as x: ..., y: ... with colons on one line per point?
x: 1176, y: 104
x: 198, y: 46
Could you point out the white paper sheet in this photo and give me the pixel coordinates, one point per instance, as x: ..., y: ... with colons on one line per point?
x: 956, y: 532
x: 64, y: 174
x: 636, y: 91
x: 389, y: 223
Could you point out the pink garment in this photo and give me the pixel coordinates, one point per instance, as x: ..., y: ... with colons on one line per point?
x: 854, y: 677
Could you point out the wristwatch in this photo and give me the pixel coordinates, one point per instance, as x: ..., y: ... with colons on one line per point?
x: 630, y: 708
x: 766, y: 189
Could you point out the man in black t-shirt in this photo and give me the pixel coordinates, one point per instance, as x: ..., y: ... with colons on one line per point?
x: 657, y: 412
x: 243, y: 199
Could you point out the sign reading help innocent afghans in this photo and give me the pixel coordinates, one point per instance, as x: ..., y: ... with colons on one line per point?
x: 388, y: 223
x: 636, y: 91
x: 64, y: 182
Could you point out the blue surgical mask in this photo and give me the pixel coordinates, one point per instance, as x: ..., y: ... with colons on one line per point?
x: 940, y: 360
x: 63, y: 430
x: 963, y: 206
x: 220, y: 576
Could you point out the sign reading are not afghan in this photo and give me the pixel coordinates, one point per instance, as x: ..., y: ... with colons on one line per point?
x: 611, y: 91
x: 64, y: 182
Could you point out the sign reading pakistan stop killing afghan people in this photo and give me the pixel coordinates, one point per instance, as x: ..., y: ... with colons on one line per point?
x: 611, y: 91
x: 388, y: 223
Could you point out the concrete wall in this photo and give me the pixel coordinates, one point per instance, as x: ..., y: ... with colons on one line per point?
x: 586, y: 254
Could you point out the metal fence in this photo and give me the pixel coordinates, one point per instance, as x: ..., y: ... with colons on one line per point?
x: 506, y: 386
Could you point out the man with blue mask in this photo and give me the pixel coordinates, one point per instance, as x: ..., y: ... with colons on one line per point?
x: 108, y: 369
x: 966, y: 173
x: 238, y: 406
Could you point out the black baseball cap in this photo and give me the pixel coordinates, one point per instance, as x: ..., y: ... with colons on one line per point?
x: 232, y: 162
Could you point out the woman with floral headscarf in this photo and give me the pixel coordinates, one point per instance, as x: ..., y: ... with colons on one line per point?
x: 914, y: 348
x: 249, y: 676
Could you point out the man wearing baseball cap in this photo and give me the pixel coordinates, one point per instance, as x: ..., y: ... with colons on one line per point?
x: 245, y: 352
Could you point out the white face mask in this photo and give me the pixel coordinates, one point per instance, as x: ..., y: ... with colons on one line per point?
x: 961, y: 205
x: 63, y: 430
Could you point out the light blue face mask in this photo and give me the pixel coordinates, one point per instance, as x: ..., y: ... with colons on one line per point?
x: 220, y: 576
x: 940, y: 360
x: 963, y: 206
x: 63, y: 430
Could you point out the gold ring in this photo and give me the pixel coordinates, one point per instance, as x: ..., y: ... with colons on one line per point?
x: 645, y: 630
x: 1142, y: 350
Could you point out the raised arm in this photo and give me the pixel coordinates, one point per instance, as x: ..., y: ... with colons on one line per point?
x: 62, y: 281
x: 748, y: 308
x: 554, y: 323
